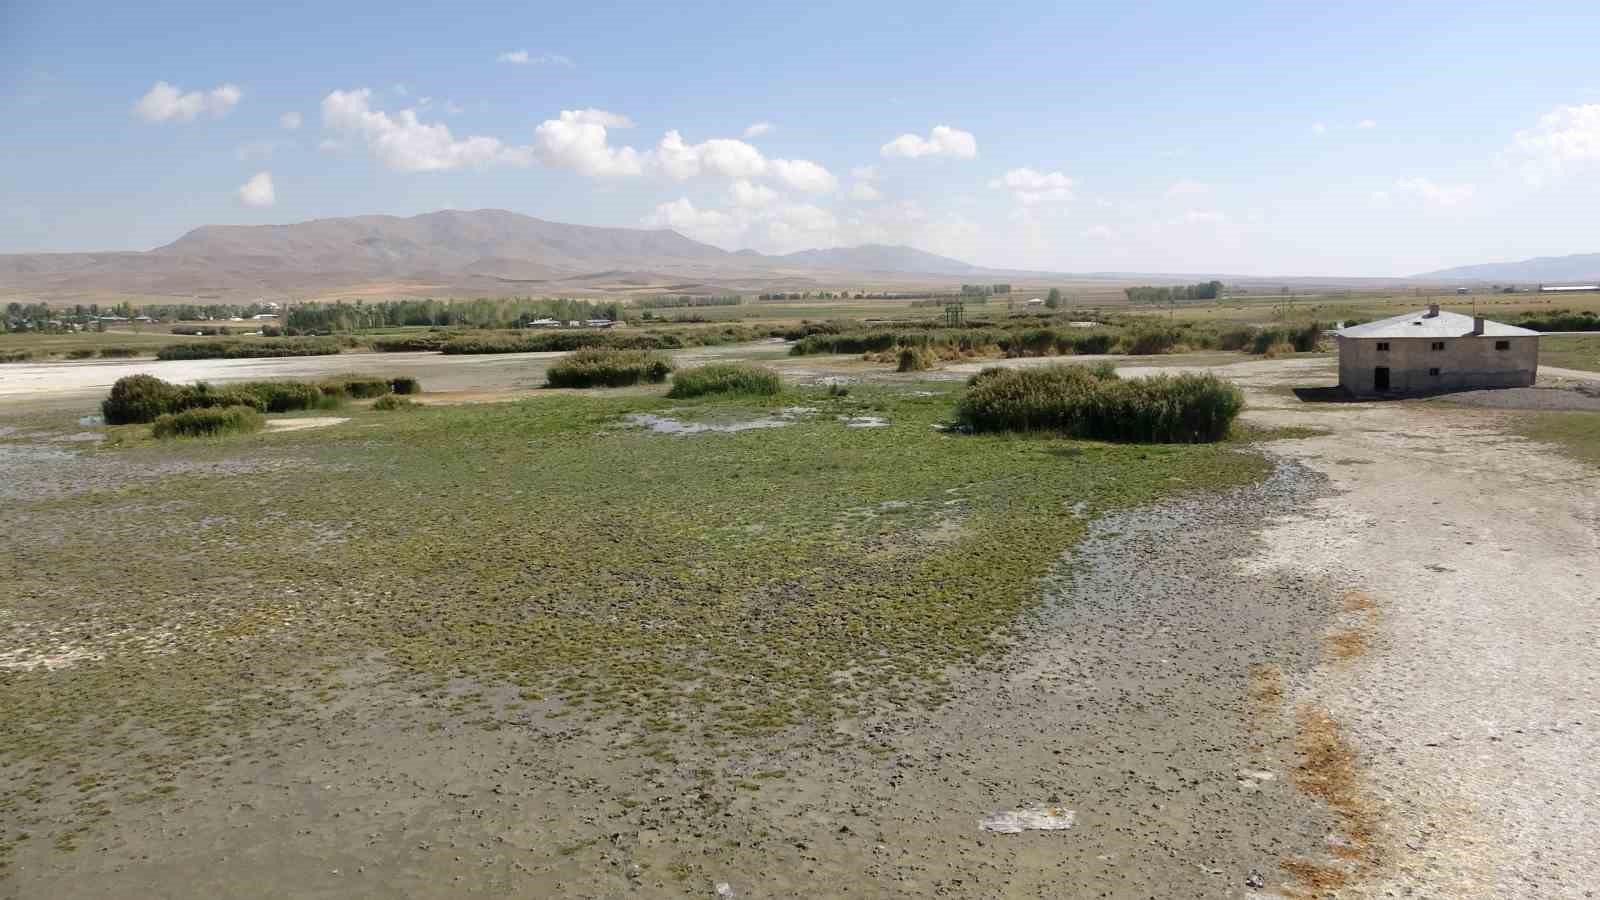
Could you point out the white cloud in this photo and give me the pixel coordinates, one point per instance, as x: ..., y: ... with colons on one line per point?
x: 329, y: 145
x: 1198, y: 217
x: 1429, y: 193
x: 1099, y: 232
x: 1029, y: 186
x: 758, y: 129
x: 1367, y: 123
x: 406, y: 144
x: 523, y: 58
x: 751, y: 196
x: 578, y: 141
x: 290, y: 120
x: 730, y: 158
x: 401, y: 89
x: 864, y: 191
x: 165, y: 103
x: 942, y: 141
x: 719, y: 156
x: 1188, y: 189
x: 775, y: 228
x: 258, y: 191
x: 1567, y: 137
x: 710, y: 225
x: 804, y: 175
x: 1318, y: 128
x: 865, y: 173
x: 800, y: 226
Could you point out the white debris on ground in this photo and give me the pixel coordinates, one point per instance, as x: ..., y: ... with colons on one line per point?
x: 864, y: 421
x: 1032, y: 818
x: 303, y: 422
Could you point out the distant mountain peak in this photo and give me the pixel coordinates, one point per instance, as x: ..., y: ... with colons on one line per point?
x: 881, y: 258
x: 1576, y: 267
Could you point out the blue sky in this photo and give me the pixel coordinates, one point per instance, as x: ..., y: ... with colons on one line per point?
x: 1279, y: 138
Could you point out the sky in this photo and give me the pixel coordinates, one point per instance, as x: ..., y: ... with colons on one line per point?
x: 1279, y: 138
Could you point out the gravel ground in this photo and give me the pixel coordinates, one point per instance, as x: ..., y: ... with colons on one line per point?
x: 1473, y: 700
x: 1583, y: 396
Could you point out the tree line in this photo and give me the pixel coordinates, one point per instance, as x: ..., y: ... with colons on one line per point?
x: 482, y: 312
x: 670, y: 301
x: 1205, y: 290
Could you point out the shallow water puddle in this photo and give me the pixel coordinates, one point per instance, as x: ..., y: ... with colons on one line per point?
x: 864, y: 421
x: 668, y: 425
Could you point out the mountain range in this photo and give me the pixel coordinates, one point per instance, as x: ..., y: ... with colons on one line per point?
x: 453, y: 253
x: 1577, y: 267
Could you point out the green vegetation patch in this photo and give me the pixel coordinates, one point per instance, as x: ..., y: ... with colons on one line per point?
x: 251, y: 349
x: 144, y: 398
x: 391, y: 403
x: 1571, y: 352
x: 1576, y: 433
x: 725, y: 378
x: 710, y: 587
x: 357, y: 387
x: 609, y: 368
x: 208, y: 422
x: 1094, y: 403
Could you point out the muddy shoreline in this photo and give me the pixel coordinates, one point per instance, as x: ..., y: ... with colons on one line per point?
x: 1132, y: 697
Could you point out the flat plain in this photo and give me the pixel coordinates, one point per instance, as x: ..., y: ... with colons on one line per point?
x: 518, y: 642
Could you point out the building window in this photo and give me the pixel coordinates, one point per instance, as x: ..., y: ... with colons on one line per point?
x: 1383, y: 346
x: 1438, y: 345
x: 1502, y: 345
x: 1433, y: 372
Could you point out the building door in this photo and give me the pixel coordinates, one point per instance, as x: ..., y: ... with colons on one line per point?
x: 1380, y: 378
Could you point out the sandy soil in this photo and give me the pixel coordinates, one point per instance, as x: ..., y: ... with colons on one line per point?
x: 301, y: 423
x: 1469, y: 675
x: 1374, y: 673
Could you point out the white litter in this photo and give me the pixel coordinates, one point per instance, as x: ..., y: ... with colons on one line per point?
x: 1033, y: 818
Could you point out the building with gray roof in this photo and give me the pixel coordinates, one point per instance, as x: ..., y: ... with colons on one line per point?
x: 1433, y: 351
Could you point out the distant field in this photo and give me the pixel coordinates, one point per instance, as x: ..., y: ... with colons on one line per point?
x: 1571, y: 352
x: 1335, y: 306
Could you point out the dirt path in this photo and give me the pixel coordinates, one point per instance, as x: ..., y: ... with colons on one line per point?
x: 1466, y: 667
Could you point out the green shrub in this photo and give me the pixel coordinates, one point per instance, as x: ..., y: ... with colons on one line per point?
x: 403, y: 343
x: 1301, y: 340
x: 564, y: 341
x: 118, y: 352
x: 11, y: 356
x: 138, y: 399
x: 725, y: 378
x: 359, y: 387
x: 144, y: 398
x: 390, y: 403
x: 252, y: 349
x: 1149, y: 340
x: 405, y: 384
x: 608, y: 368
x: 286, y: 396
x: 916, y: 359
x: 1093, y: 343
x: 1557, y: 320
x: 1095, y: 403
x: 208, y: 421
x: 80, y: 353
